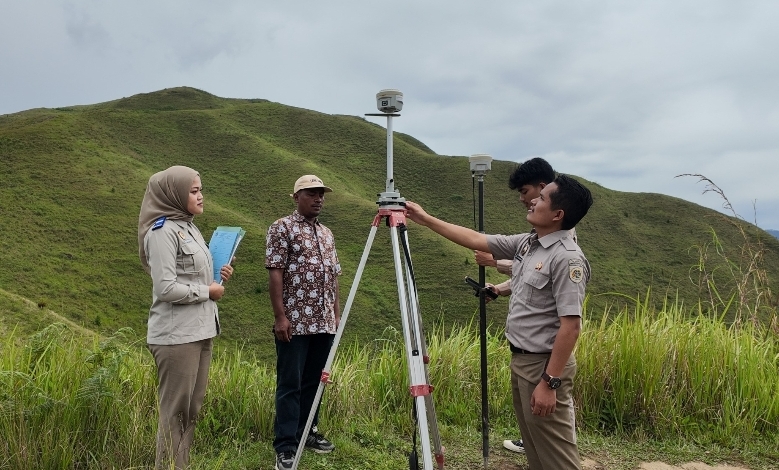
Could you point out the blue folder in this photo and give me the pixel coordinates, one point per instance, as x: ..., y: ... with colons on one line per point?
x: 223, y: 245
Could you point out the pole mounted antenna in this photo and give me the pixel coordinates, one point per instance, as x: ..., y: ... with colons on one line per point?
x: 389, y: 102
x: 480, y: 165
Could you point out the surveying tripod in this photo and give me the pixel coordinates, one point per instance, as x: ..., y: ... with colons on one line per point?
x: 392, y: 209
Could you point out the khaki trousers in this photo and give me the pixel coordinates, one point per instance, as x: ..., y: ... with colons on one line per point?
x: 550, y: 441
x: 182, y: 371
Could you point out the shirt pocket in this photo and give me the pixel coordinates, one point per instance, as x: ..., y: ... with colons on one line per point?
x: 538, y: 290
x: 190, y: 258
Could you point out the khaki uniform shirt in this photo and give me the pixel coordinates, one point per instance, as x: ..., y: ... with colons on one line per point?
x: 547, y: 281
x: 181, y: 271
x: 504, y: 267
x: 306, y: 253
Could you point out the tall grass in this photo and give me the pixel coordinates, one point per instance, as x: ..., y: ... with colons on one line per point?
x: 372, y: 381
x: 673, y: 374
x: 747, y: 294
x: 71, y: 402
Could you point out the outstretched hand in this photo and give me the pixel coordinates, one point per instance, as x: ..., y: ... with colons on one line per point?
x: 490, y: 287
x: 415, y: 212
x: 484, y: 259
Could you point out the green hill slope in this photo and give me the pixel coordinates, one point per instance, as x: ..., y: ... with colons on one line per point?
x: 72, y: 181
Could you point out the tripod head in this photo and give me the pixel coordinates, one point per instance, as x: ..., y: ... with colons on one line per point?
x: 389, y: 102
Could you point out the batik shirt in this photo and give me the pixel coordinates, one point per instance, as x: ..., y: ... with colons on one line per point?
x: 306, y: 252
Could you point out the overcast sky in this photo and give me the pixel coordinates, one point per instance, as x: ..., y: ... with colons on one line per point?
x: 626, y: 94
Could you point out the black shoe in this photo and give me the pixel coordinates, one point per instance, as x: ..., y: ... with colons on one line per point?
x: 284, y: 460
x: 318, y: 443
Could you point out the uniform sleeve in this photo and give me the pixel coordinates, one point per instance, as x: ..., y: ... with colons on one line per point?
x: 504, y: 266
x: 504, y: 288
x: 570, y: 274
x: 504, y: 246
x: 276, y: 246
x: 162, y: 253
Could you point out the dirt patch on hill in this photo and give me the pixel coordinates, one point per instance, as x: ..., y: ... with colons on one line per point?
x: 686, y: 466
x: 589, y: 464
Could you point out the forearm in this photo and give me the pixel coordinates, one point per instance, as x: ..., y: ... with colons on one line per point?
x: 337, y: 306
x: 504, y: 288
x: 504, y: 266
x: 564, y: 344
x: 460, y: 235
x: 275, y: 289
x: 180, y: 294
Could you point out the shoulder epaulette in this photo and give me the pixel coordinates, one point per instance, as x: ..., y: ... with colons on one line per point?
x: 158, y: 223
x: 568, y: 243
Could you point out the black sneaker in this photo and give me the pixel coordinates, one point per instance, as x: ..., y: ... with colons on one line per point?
x: 318, y: 443
x: 515, y: 446
x: 285, y: 460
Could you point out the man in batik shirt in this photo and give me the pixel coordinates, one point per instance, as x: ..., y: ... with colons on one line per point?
x: 303, y: 273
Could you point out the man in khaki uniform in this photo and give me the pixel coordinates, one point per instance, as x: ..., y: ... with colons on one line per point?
x: 528, y: 179
x: 548, y: 281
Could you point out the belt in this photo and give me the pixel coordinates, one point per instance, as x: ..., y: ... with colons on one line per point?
x: 517, y: 350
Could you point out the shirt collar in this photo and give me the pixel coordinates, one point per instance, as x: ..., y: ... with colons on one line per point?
x: 297, y: 217
x: 550, y: 239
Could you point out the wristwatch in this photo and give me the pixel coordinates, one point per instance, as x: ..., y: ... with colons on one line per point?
x: 553, y: 382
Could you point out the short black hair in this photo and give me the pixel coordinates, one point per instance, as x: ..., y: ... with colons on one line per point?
x: 573, y: 198
x: 534, y: 172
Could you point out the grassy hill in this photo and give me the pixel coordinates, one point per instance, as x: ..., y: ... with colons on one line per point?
x: 73, y: 178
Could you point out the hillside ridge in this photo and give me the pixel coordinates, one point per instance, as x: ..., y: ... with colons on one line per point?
x: 74, y: 177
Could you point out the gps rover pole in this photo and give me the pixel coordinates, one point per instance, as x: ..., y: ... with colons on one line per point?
x: 480, y: 164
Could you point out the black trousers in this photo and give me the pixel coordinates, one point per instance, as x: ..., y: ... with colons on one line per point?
x: 299, y: 365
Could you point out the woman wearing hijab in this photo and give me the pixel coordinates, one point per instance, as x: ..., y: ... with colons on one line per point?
x: 183, y: 318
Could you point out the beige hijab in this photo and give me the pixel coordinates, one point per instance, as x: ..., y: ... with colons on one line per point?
x: 166, y: 195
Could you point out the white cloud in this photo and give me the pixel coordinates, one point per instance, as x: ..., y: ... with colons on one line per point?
x: 628, y: 94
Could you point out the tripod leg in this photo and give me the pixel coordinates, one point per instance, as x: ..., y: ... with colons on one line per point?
x: 420, y: 341
x: 431, y: 414
x: 331, y: 356
x: 419, y: 387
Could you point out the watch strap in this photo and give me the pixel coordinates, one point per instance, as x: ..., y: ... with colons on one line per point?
x: 549, y: 379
